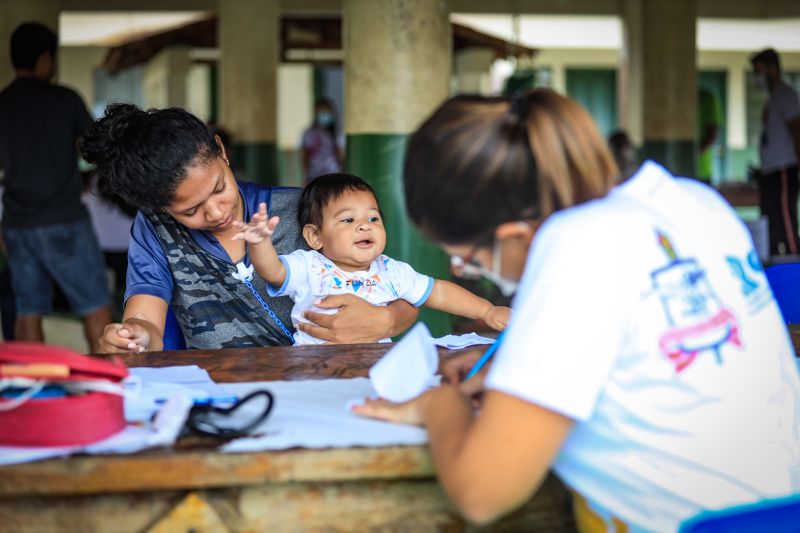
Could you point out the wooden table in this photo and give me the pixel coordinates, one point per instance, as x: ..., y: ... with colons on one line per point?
x: 192, y: 487
x: 740, y: 194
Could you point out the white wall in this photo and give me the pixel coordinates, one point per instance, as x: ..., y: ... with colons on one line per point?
x: 295, y: 103
x: 76, y: 66
x: 165, y: 78
x: 198, y: 90
x: 559, y: 60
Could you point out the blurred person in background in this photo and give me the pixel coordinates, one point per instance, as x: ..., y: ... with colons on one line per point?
x: 46, y: 228
x: 320, y: 148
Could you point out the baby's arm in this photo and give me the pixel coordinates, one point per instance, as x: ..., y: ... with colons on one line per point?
x: 258, y: 234
x: 451, y: 298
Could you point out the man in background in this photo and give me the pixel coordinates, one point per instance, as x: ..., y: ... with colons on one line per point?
x: 780, y: 146
x: 45, y: 226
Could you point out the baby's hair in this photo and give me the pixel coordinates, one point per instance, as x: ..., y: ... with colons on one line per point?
x: 142, y: 156
x: 325, y: 189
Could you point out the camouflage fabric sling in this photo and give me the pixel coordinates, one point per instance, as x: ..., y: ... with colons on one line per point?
x: 214, y: 309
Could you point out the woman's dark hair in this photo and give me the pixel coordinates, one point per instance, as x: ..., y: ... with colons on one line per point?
x: 479, y: 162
x: 142, y: 156
x: 323, y: 190
x: 28, y: 42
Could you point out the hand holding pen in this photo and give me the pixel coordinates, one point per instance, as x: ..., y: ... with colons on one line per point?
x: 467, y: 370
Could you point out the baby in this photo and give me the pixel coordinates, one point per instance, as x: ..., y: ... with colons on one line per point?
x: 342, y: 224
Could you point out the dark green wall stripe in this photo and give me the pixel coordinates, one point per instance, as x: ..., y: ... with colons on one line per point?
x: 678, y: 156
x: 378, y: 158
x: 256, y: 162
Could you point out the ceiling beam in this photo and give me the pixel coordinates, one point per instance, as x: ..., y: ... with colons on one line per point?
x: 753, y: 9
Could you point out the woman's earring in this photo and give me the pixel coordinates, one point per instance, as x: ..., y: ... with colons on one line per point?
x: 227, y: 162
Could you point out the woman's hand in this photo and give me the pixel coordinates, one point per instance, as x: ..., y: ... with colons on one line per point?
x: 455, y: 368
x: 127, y: 337
x: 258, y: 229
x: 497, y: 317
x: 357, y: 321
x: 411, y: 412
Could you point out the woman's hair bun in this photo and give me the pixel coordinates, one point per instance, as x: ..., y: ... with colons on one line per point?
x: 103, y: 140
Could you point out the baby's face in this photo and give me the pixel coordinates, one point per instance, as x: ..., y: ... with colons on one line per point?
x: 352, y: 232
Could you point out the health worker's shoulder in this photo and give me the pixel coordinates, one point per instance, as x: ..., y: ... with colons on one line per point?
x: 603, y: 219
x: 704, y: 193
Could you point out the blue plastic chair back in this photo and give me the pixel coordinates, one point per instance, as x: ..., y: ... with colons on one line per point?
x: 173, y: 336
x: 781, y: 515
x: 785, y: 282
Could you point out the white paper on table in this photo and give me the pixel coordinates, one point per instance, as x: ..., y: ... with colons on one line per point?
x: 163, y: 432
x: 148, y: 388
x: 409, y: 368
x: 313, y: 414
x: 184, y: 375
x: 453, y: 342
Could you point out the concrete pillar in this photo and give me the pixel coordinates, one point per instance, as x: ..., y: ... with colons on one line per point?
x: 397, y: 71
x: 658, y: 87
x: 12, y: 14
x: 472, y: 70
x: 248, y: 41
x: 166, y: 77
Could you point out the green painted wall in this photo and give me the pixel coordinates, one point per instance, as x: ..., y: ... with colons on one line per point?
x: 258, y: 162
x: 738, y: 161
x: 378, y: 159
x: 596, y: 90
x: 677, y: 156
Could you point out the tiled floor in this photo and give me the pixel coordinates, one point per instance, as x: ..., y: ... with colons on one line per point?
x: 65, y: 332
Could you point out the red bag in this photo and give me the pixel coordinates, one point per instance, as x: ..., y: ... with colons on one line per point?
x: 65, y: 421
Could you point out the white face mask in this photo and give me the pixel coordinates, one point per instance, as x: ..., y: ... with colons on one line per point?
x: 507, y: 286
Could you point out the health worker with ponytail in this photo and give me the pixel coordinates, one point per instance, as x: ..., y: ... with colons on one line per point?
x: 646, y: 361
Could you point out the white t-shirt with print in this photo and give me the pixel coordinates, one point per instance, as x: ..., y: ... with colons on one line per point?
x: 647, y: 319
x: 777, y: 144
x: 311, y: 276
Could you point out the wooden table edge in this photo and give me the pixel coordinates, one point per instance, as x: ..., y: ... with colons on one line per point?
x: 167, y: 470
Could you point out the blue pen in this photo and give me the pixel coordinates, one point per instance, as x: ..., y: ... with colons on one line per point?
x: 485, y: 357
x: 207, y: 401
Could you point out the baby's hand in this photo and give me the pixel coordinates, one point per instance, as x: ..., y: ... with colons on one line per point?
x: 259, y: 229
x: 497, y: 317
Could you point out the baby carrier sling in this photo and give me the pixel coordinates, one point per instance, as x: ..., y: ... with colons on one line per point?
x: 213, y: 308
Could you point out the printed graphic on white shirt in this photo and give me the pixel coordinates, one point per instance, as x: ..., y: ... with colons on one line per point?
x: 699, y: 322
x: 311, y: 276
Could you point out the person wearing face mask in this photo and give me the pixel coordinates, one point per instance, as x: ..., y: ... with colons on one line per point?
x: 653, y: 378
x: 320, y: 149
x: 780, y: 149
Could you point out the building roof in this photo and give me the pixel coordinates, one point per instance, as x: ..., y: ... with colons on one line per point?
x: 297, y: 33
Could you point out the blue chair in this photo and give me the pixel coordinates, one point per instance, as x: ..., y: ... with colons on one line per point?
x: 780, y: 515
x: 173, y: 336
x: 785, y: 282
